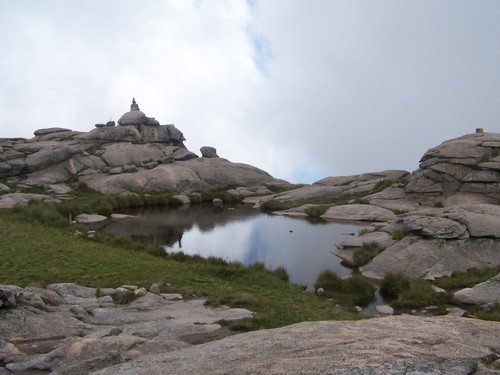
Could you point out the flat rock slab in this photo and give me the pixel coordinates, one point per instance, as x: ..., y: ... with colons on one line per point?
x: 383, y: 239
x: 433, y: 258
x: 359, y: 212
x: 89, y: 219
x: 436, y: 227
x: 70, y: 329
x: 388, y: 345
x: 9, y: 200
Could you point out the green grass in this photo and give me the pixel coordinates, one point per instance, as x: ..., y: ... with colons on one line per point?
x: 493, y: 314
x: 460, y: 280
x: 383, y: 184
x: 404, y: 292
x: 35, y: 254
x: 399, y: 234
x: 420, y: 294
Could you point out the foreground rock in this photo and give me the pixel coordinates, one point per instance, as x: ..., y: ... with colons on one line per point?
x: 69, y: 329
x: 388, y: 345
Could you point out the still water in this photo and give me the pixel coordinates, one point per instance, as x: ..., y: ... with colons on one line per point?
x: 241, y: 233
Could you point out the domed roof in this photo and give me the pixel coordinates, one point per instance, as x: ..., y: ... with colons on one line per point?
x: 134, y: 117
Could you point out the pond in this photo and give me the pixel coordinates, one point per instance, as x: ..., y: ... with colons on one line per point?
x: 241, y: 233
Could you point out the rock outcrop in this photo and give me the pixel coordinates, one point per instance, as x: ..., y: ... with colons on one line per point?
x: 462, y: 169
x: 70, y: 329
x: 388, y: 345
x: 445, y: 215
x: 139, y: 155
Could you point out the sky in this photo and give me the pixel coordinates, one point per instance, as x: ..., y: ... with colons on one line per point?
x: 303, y: 89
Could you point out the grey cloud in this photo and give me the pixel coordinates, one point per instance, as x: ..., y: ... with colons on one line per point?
x: 300, y: 89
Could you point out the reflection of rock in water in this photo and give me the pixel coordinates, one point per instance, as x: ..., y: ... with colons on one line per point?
x: 165, y: 226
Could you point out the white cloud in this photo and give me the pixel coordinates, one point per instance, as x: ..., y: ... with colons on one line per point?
x: 300, y: 89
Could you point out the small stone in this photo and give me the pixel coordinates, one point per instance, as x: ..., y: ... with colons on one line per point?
x: 155, y: 289
x: 139, y: 292
x: 88, y: 219
x: 130, y: 287
x: 385, y: 309
x: 181, y: 198
x: 218, y: 203
x: 438, y: 289
x: 456, y: 311
x: 208, y: 152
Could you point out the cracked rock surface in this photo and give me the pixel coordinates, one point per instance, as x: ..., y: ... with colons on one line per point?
x: 66, y: 329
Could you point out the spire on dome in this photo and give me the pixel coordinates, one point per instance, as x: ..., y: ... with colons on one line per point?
x: 134, y: 106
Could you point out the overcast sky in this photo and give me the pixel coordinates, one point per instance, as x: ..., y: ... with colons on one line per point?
x: 303, y: 89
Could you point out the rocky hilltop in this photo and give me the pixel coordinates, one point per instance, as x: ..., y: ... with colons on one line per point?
x: 443, y: 217
x: 137, y: 155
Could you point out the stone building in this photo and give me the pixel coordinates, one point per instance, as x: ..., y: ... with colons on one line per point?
x: 149, y: 128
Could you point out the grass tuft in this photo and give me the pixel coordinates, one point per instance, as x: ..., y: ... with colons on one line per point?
x: 364, y: 255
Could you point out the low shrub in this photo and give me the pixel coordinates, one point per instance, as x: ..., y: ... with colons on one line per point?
x: 37, y: 212
x: 124, y: 298
x: 217, y: 261
x: 393, y: 284
x: 175, y: 201
x: 257, y: 266
x: 155, y: 250
x: 360, y: 289
x: 329, y: 281
x: 316, y: 211
x: 209, y: 196
x: 364, y: 231
x: 195, y: 197
x: 354, y: 290
x: 179, y: 256
x: 276, y: 205
x: 282, y: 274
x: 383, y: 184
x: 467, y: 279
x: 399, y: 234
x: 419, y: 294
x: 364, y: 255
x: 492, y: 313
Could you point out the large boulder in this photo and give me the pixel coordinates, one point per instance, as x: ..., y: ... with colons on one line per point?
x: 468, y: 164
x: 191, y: 175
x: 120, y: 154
x: 383, y: 346
x: 208, y: 152
x: 483, y: 293
x: 363, y: 183
x: 435, y: 227
x: 433, y: 258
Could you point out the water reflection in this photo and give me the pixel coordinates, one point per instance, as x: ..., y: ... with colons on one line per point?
x: 241, y: 233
